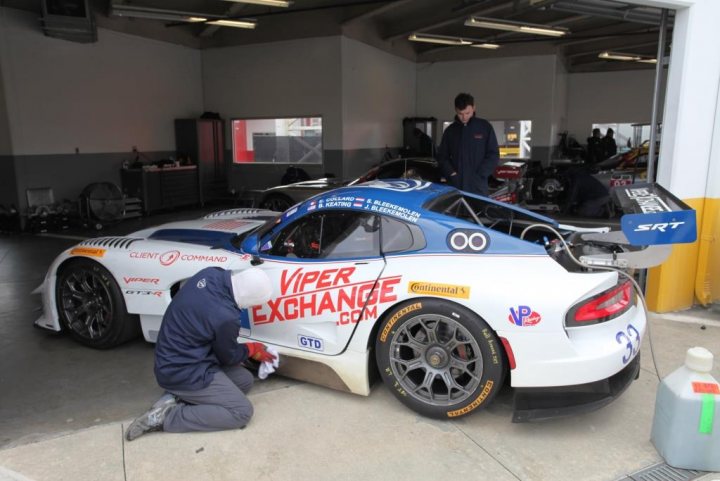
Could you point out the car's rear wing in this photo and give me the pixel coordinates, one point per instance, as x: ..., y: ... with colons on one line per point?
x: 653, y: 218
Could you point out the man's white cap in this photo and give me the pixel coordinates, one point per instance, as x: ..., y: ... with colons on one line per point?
x: 251, y: 287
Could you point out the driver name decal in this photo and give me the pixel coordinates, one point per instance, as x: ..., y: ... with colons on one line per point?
x: 364, y: 203
x: 309, y: 293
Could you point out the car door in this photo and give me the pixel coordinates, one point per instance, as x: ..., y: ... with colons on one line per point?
x: 326, y: 270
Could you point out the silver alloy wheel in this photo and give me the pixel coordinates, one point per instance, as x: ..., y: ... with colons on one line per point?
x: 86, y: 303
x: 436, y: 360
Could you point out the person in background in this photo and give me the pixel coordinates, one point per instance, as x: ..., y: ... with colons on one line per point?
x: 609, y: 146
x: 595, y: 147
x: 198, y: 357
x: 469, y: 150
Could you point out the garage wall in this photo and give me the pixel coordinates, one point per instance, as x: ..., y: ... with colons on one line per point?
x: 78, y: 109
x: 378, y: 91
x: 516, y: 88
x: 559, y: 104
x: 279, y: 79
x: 608, y: 97
x: 8, y: 192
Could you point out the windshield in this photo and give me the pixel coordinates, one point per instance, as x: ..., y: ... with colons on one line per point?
x: 260, y: 230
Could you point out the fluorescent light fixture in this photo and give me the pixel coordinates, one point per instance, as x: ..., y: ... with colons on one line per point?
x: 233, y: 23
x: 489, y: 46
x: 441, y: 39
x: 270, y: 3
x: 627, y: 57
x: 509, y: 26
x: 156, y: 14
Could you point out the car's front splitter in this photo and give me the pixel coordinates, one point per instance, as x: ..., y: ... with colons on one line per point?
x: 537, y: 404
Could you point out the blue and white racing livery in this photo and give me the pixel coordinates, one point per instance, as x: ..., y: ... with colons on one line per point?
x: 449, y: 294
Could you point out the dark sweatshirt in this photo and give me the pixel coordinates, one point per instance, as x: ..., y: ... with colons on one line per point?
x: 470, y: 150
x: 199, y: 332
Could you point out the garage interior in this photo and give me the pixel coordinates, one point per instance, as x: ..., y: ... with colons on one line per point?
x: 93, y: 90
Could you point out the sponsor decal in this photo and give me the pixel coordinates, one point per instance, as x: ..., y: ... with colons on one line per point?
x: 311, y: 343
x: 312, y: 206
x: 464, y: 240
x: 230, y: 224
x: 396, y: 316
x: 88, y: 251
x: 648, y: 201
x: 201, y: 283
x: 310, y: 293
x: 141, y: 280
x: 168, y: 258
x: 136, y: 292
x: 291, y: 212
x: 660, y: 226
x: 620, y: 179
x: 443, y: 290
x: 524, y: 316
x: 478, y: 136
x: 478, y: 401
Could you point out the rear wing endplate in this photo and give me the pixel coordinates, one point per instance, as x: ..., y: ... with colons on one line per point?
x: 653, y: 218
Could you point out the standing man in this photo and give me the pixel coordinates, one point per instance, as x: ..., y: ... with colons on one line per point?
x: 608, y: 144
x: 595, y: 147
x: 197, y: 355
x: 469, y: 150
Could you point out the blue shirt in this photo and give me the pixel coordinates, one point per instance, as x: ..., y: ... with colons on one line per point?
x: 199, y: 332
x: 471, y: 151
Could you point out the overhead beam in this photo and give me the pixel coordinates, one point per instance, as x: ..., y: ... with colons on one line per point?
x: 377, y: 11
x: 611, y: 13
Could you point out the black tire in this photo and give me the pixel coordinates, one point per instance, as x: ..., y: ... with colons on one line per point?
x: 91, y: 306
x: 278, y: 203
x: 439, y: 358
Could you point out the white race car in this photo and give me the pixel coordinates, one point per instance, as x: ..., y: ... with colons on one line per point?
x: 444, y: 293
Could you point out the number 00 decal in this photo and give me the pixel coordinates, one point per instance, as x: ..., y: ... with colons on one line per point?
x: 464, y: 240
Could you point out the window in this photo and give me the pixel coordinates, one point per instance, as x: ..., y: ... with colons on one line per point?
x: 328, y: 235
x: 514, y: 137
x: 296, y: 140
x: 627, y: 136
x: 398, y: 236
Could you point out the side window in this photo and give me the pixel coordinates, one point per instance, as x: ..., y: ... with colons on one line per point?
x: 349, y: 235
x: 299, y: 239
x: 328, y: 235
x: 396, y: 236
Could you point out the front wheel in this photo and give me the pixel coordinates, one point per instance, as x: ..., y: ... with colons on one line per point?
x: 439, y: 358
x: 91, y: 306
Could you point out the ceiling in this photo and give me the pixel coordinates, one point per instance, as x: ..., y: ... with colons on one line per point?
x: 594, y: 26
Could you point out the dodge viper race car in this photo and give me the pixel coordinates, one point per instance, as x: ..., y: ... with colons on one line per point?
x: 443, y: 293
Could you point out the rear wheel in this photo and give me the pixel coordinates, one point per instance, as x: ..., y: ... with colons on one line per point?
x: 439, y: 358
x: 91, y: 306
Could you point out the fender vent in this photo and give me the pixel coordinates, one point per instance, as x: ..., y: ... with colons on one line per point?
x: 115, y: 242
x: 663, y: 472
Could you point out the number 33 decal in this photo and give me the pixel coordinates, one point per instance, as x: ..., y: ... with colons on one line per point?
x: 631, y: 338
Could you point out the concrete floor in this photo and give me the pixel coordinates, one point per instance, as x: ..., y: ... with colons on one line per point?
x: 67, y: 405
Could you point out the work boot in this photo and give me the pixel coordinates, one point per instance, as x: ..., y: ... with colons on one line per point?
x: 151, y: 420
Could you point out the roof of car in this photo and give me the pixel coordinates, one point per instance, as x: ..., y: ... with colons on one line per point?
x: 402, y: 198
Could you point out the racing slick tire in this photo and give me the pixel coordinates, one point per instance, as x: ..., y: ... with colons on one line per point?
x: 91, y: 306
x: 277, y: 203
x: 439, y: 358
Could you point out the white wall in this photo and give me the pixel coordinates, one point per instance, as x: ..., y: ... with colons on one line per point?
x: 297, y: 78
x: 608, y: 97
x: 516, y: 88
x: 108, y: 96
x: 559, y: 102
x: 378, y: 92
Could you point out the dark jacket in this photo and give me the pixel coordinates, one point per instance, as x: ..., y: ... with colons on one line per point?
x: 472, y: 152
x: 199, y: 332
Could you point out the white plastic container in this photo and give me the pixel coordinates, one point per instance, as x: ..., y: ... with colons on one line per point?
x: 686, y: 425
